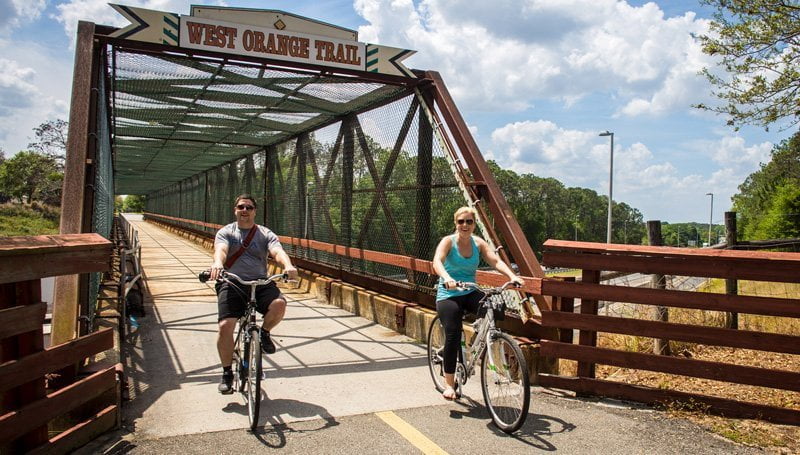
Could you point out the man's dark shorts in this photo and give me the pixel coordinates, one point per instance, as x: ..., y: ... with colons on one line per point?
x: 232, y: 303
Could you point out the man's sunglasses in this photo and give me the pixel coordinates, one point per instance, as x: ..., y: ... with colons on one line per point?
x: 245, y: 207
x: 468, y: 221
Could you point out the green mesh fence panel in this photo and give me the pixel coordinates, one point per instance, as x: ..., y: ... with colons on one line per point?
x: 103, y: 213
x: 379, y: 166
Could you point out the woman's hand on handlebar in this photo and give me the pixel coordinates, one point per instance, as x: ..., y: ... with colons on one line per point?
x: 451, y: 284
x: 518, y: 281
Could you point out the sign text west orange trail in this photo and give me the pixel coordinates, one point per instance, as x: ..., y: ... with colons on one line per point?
x: 200, y: 33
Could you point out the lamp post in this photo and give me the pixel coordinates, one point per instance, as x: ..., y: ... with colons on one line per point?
x: 610, y: 182
x: 710, y: 217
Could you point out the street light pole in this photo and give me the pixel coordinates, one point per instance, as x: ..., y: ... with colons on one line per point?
x: 610, y: 182
x: 710, y: 217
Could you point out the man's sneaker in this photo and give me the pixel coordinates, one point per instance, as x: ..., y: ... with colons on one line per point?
x: 266, y: 343
x: 226, y: 385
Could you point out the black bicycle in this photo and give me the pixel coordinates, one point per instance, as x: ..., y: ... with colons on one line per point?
x: 247, y: 372
x: 504, y: 371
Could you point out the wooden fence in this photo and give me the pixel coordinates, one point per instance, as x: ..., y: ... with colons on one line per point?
x: 593, y: 258
x: 29, y: 410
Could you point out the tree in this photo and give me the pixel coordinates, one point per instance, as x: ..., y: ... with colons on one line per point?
x: 51, y: 140
x: 757, y: 41
x: 757, y: 193
x: 32, y: 175
x: 134, y: 203
x: 782, y: 218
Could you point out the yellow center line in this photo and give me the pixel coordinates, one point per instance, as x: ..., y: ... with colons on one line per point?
x: 411, y: 434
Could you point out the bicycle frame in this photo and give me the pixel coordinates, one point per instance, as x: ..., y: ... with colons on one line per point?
x: 485, y: 329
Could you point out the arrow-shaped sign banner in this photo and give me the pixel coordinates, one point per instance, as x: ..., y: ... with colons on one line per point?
x: 148, y: 25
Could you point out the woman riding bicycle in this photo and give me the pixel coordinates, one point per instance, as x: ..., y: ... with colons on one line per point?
x: 456, y: 259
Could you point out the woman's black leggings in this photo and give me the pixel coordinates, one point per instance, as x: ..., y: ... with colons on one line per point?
x: 451, y: 312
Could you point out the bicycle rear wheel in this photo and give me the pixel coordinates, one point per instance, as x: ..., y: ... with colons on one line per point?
x: 505, y: 382
x: 435, y: 353
x: 253, y: 385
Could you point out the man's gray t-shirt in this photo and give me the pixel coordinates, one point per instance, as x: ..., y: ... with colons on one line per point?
x: 252, y: 264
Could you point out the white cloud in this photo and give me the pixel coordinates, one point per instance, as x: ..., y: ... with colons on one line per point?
x: 16, y: 90
x: 732, y: 151
x: 641, y: 179
x: 505, y: 54
x: 99, y: 12
x: 33, y: 89
x: 14, y: 13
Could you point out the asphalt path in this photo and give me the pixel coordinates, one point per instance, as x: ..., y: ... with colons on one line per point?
x: 555, y: 424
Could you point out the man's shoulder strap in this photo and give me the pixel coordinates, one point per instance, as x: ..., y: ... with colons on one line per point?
x: 231, y: 260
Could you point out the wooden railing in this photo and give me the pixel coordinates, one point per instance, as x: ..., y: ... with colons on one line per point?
x: 593, y: 258
x: 28, y: 405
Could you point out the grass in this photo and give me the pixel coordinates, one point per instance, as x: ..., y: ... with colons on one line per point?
x: 25, y: 219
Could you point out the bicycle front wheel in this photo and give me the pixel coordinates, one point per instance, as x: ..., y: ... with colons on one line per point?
x: 253, y: 385
x: 436, y: 353
x: 505, y: 382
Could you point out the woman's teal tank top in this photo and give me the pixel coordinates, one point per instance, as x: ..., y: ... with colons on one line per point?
x: 459, y: 268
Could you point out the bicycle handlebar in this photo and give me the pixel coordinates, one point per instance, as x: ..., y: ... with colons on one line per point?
x: 496, y: 290
x: 205, y: 275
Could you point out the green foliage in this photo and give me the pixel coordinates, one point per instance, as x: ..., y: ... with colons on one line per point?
x: 759, y: 193
x: 31, y: 175
x: 690, y: 234
x: 757, y: 41
x: 782, y: 217
x: 134, y: 204
x: 34, y: 219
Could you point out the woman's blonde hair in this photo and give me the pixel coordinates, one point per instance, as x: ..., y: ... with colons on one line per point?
x: 465, y: 209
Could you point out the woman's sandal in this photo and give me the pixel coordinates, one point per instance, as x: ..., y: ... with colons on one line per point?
x: 449, y: 393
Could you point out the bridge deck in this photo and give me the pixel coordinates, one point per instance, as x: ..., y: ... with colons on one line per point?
x: 329, y: 363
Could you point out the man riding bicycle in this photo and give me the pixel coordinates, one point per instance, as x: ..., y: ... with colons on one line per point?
x: 243, y: 247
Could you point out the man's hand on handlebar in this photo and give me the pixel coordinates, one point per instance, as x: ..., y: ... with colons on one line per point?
x: 291, y: 273
x: 216, y: 271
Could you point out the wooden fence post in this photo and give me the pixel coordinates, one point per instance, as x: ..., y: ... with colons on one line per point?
x: 660, y: 345
x: 731, y: 284
x: 588, y: 337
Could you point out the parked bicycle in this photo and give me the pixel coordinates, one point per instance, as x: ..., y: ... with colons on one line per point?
x: 247, y: 371
x: 504, y: 372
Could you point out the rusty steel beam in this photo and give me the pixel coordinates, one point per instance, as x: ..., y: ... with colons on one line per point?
x: 501, y: 212
x: 69, y: 289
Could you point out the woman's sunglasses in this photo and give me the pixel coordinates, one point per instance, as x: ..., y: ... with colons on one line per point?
x: 468, y: 221
x: 245, y: 207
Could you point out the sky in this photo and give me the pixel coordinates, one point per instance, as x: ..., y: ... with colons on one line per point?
x: 535, y: 80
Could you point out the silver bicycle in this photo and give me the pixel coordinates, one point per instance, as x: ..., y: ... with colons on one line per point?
x: 504, y: 372
x: 247, y: 372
